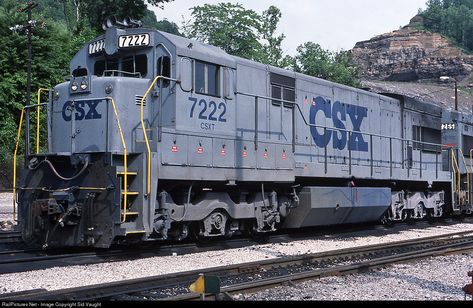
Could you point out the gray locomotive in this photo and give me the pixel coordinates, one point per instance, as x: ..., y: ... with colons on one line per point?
x: 159, y: 137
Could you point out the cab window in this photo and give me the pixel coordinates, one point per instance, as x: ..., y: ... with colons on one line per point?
x: 136, y: 65
x: 207, y: 78
x: 131, y: 66
x: 164, y: 69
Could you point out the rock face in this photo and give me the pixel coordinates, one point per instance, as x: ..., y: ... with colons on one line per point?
x: 410, y: 54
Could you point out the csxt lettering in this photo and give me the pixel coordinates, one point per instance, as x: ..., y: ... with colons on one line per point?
x: 339, y: 113
x: 81, y: 111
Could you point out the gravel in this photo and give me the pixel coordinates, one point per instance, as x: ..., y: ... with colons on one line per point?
x: 6, y: 211
x: 439, y: 279
x: 81, y: 275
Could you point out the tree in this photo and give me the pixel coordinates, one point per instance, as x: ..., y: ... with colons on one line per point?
x: 272, y: 50
x: 149, y: 20
x: 51, y: 46
x: 239, y: 31
x: 313, y: 60
x: 451, y: 18
x: 78, y: 14
x: 228, y: 26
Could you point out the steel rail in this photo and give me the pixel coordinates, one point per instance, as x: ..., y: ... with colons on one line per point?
x: 357, y: 267
x: 435, y: 245
x: 10, y: 237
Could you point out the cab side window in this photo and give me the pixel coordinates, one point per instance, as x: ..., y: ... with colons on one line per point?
x: 164, y: 69
x: 207, y: 78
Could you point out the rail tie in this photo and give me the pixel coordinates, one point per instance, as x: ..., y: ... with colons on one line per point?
x: 381, y: 255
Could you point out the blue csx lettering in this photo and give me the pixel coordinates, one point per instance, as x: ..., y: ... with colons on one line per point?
x: 79, y: 111
x: 338, y: 113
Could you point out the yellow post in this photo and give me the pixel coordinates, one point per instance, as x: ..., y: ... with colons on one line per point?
x: 125, y: 163
x: 457, y: 179
x: 38, y: 121
x: 148, y: 148
x: 14, y: 162
x: 467, y: 176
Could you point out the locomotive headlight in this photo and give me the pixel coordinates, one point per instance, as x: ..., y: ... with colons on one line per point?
x: 56, y: 95
x: 74, y: 87
x: 84, y: 85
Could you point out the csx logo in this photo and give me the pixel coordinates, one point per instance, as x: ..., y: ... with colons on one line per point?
x: 81, y: 111
x: 339, y: 113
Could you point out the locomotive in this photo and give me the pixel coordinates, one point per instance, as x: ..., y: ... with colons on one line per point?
x: 158, y: 137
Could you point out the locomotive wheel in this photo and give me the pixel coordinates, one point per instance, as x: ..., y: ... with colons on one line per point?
x: 404, y: 215
x: 387, y: 219
x: 196, y: 231
x: 430, y: 217
x: 250, y: 231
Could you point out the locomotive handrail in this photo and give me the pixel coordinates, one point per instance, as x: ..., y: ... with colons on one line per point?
x: 38, y: 120
x: 294, y: 105
x: 120, y: 72
x: 125, y: 163
x: 15, y: 153
x: 125, y: 154
x: 335, y: 128
x: 456, y: 176
x: 143, y: 127
x: 471, y: 160
x: 467, y: 176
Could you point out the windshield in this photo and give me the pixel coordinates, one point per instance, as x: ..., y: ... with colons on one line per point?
x: 129, y: 66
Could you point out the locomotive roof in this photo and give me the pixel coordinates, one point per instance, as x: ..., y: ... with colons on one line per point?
x: 200, y: 51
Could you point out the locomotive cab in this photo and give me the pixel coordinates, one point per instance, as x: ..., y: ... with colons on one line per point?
x: 457, y: 138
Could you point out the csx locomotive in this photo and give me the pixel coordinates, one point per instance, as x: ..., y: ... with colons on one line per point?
x: 159, y: 137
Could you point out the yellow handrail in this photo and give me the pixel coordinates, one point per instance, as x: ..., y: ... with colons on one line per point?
x: 457, y: 176
x: 38, y: 121
x: 125, y: 164
x: 14, y: 162
x: 148, y: 148
x: 471, y: 160
x: 467, y: 176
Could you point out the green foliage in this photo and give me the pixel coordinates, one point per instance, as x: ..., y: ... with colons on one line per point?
x: 272, y: 52
x: 313, y: 60
x: 247, y: 34
x: 239, y: 31
x: 228, y: 26
x: 451, y: 18
x: 64, y: 26
x: 51, y: 55
x: 78, y: 15
x: 149, y: 20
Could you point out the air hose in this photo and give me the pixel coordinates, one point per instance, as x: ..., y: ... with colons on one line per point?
x: 86, y: 164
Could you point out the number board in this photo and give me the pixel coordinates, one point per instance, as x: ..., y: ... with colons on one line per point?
x: 96, y: 47
x: 448, y: 126
x: 134, y: 40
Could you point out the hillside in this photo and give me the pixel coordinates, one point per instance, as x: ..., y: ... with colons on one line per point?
x: 410, y: 61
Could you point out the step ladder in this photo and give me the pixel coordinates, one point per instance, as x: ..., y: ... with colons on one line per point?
x: 130, y: 207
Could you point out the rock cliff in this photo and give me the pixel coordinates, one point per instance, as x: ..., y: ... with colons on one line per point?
x: 410, y: 54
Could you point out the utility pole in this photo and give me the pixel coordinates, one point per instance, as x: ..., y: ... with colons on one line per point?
x: 456, y: 94
x: 30, y: 24
x: 447, y: 78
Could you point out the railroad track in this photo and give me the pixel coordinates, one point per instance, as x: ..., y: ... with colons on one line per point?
x: 264, y: 274
x: 10, y: 237
x: 19, y: 260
